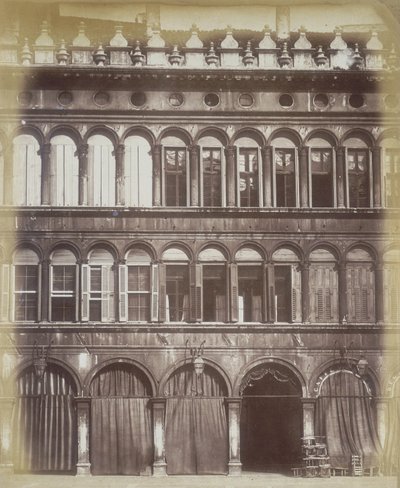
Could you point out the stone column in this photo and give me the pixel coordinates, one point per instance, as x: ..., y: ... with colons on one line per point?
x: 194, y: 175
x: 308, y: 416
x: 303, y: 177
x: 45, y: 287
x: 376, y: 174
x: 45, y: 154
x: 83, y: 174
x: 266, y: 156
x: 234, y: 464
x: 157, y: 175
x: 230, y: 176
x: 120, y: 174
x: 340, y: 176
x: 342, y: 292
x: 6, y: 460
x: 159, y: 464
x: 83, y: 417
x: 305, y: 292
x: 379, y: 291
x: 382, y: 418
x: 8, y: 176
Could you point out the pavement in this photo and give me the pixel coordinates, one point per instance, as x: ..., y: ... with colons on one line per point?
x: 244, y: 481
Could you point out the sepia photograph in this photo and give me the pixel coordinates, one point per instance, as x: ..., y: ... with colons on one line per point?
x: 200, y: 243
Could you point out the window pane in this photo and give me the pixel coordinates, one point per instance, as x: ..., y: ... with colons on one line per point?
x: 26, y: 278
x: 62, y: 309
x: 26, y: 306
x: 250, y: 293
x: 95, y: 310
x: 212, y: 177
x: 64, y: 278
x: 214, y: 293
x: 95, y: 279
x: 285, y: 177
x: 321, y: 174
x: 177, y: 281
x: 248, y: 184
x: 283, y: 293
x: 139, y: 307
x: 138, y: 278
x: 175, y: 177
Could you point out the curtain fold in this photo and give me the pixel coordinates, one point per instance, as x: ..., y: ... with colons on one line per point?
x: 121, y: 436
x: 344, y: 415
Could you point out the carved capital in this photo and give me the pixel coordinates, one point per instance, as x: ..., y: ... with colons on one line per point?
x: 83, y: 150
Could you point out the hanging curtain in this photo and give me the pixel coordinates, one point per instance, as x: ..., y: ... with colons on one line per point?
x: 196, y: 426
x: 391, y: 457
x: 121, y: 432
x: 44, y: 422
x: 345, y: 417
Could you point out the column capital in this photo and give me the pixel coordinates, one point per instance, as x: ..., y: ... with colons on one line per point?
x: 308, y: 401
x: 340, y: 150
x: 83, y: 150
x: 158, y: 401
x: 233, y: 401
x: 230, y: 150
x: 303, y: 150
x: 119, y: 149
x: 81, y: 400
x: 376, y: 150
x: 156, y: 149
x: 45, y: 149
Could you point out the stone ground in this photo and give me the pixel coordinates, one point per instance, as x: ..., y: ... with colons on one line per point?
x: 244, y: 481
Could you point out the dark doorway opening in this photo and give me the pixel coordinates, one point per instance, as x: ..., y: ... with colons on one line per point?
x: 271, y: 422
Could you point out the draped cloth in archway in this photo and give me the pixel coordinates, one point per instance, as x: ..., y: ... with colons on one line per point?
x: 44, y: 422
x: 121, y: 429
x: 344, y: 415
x: 196, y: 426
x: 391, y: 456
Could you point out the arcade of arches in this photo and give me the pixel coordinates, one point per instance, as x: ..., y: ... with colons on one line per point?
x: 123, y: 425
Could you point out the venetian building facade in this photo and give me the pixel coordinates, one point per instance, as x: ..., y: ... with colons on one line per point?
x: 200, y: 253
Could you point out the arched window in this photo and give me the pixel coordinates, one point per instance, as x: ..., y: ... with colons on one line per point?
x: 63, y: 286
x: 175, y: 170
x: 287, y: 286
x: 4, y: 289
x: 174, y: 286
x: 249, y: 172
x: 391, y: 280
x: 2, y: 180
x: 214, y: 285
x: 98, y: 287
x: 247, y: 285
x: 358, y: 173
x: 322, y: 172
x: 285, y: 172
x: 64, y: 171
x: 27, y: 170
x: 323, y: 287
x: 101, y: 171
x: 138, y: 287
x: 212, y: 164
x: 391, y: 172
x: 360, y: 286
x: 26, y: 285
x: 138, y: 172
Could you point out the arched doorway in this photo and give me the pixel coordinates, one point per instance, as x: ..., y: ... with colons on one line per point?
x: 196, y: 437
x: 271, y: 422
x: 44, y: 421
x: 121, y: 429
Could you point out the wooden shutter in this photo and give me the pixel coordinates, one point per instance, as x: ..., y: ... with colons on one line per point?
x: 196, y: 292
x: 313, y: 287
x: 123, y: 292
x: 107, y: 295
x: 154, y: 293
x: 234, y: 292
x: 360, y: 280
x: 334, y: 294
x: 270, y: 278
x: 296, y: 294
x: 163, y: 293
x: 5, y: 292
x: 85, y: 286
x: 12, y: 293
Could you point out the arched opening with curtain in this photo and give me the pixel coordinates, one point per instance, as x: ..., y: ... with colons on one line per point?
x: 44, y: 421
x: 64, y: 171
x: 138, y: 172
x: 271, y: 419
x: 101, y: 171
x: 322, y: 171
x: 27, y: 170
x: 346, y: 419
x: 121, y: 429
x: 212, y: 170
x: 196, y: 429
x: 249, y: 172
x: 285, y: 172
x: 175, y: 182
x: 391, y: 459
x: 358, y: 171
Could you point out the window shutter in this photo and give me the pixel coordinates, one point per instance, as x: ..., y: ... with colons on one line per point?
x: 12, y: 293
x: 370, y: 292
x: 123, y: 295
x: 313, y: 294
x: 85, y: 277
x: 163, y: 295
x: 50, y: 290
x: 196, y: 292
x: 154, y: 293
x: 234, y: 293
x: 5, y: 292
x: 296, y: 294
x: 76, y: 295
x: 334, y: 294
x: 270, y: 278
x: 107, y: 295
x: 39, y: 293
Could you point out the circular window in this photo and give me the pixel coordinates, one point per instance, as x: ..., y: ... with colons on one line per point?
x: 65, y: 98
x: 138, y: 99
x: 286, y: 100
x: 391, y: 101
x: 176, y: 99
x: 25, y: 98
x: 356, y: 100
x: 321, y: 100
x: 102, y: 99
x: 211, y: 99
x: 246, y: 100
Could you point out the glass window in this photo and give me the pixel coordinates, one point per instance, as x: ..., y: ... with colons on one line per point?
x: 248, y: 177
x: 358, y: 177
x: 285, y: 177
x: 64, y: 176
x: 63, y: 302
x: 214, y: 293
x: 139, y: 293
x: 212, y: 184
x: 250, y: 293
x: 177, y: 288
x: 392, y: 176
x: 321, y: 178
x: 175, y: 177
x: 26, y: 285
x: 100, y: 286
